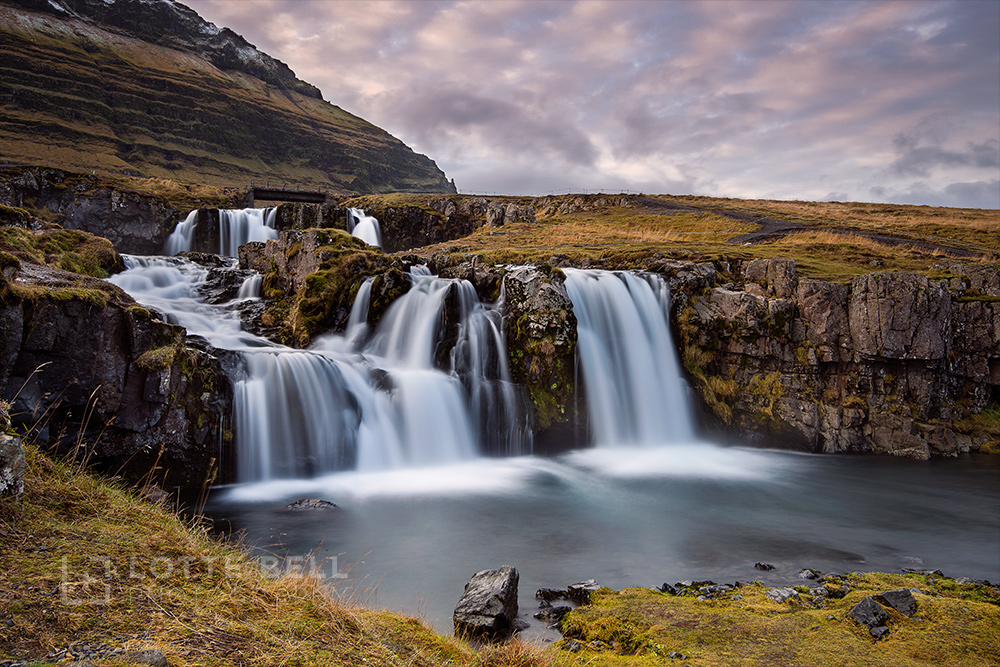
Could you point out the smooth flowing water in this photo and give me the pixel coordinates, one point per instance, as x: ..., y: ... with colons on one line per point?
x: 427, y: 455
x: 365, y: 227
x: 409, y: 540
x: 236, y: 227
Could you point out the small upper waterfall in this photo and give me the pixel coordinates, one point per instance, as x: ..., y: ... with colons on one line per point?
x: 365, y: 227
x: 236, y: 227
x: 635, y: 392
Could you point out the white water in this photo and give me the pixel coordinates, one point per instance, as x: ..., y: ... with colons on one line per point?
x: 365, y: 227
x: 635, y: 393
x: 236, y: 227
x: 354, y: 402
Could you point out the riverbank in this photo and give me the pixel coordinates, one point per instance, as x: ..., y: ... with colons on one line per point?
x: 94, y: 568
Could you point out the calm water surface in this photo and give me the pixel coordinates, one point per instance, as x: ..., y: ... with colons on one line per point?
x: 410, y: 540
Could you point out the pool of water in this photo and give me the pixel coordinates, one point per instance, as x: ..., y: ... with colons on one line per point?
x: 409, y: 540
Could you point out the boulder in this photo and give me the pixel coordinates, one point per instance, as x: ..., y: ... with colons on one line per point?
x: 580, y: 593
x: 11, y: 466
x: 870, y: 614
x: 488, y: 607
x: 901, y: 600
x: 781, y: 594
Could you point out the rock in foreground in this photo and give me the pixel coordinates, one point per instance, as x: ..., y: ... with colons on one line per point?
x: 488, y: 607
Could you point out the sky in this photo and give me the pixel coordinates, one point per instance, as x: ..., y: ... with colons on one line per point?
x: 793, y: 99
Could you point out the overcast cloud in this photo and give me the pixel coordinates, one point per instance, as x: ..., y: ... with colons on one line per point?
x: 866, y: 101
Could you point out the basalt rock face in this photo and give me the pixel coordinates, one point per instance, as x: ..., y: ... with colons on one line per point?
x: 93, y: 374
x: 134, y: 223
x: 311, y: 278
x: 540, y: 329
x: 894, y: 363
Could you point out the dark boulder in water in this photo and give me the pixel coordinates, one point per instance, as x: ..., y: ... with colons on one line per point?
x: 488, y: 607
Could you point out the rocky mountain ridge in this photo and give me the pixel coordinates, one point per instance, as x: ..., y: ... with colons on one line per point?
x: 148, y: 88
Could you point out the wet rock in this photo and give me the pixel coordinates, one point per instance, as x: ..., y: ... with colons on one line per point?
x: 550, y: 594
x: 781, y: 594
x: 580, y: 592
x: 540, y: 329
x: 869, y: 613
x: 309, y: 504
x: 901, y: 600
x: 809, y: 574
x: 552, y: 614
x: 488, y: 606
x: 150, y: 397
x: 765, y: 567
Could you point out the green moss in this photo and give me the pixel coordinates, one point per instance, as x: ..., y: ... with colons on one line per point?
x: 157, y: 359
x: 956, y: 624
x: 70, y: 250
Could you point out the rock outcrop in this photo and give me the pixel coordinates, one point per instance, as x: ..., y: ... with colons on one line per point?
x: 11, y: 458
x: 92, y: 374
x: 311, y: 278
x: 540, y: 329
x: 135, y: 223
x: 894, y: 363
x: 488, y: 607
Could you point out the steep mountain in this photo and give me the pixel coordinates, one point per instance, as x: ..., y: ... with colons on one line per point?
x: 148, y: 87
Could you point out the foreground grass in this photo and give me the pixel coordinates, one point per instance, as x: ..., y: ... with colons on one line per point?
x: 88, y: 562
x: 84, y: 561
x: 955, y: 624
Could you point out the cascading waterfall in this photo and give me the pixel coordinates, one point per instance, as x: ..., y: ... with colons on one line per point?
x: 635, y: 392
x: 236, y: 227
x: 352, y: 403
x: 365, y: 227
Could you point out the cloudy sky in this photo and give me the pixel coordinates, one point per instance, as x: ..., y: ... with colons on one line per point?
x: 791, y: 99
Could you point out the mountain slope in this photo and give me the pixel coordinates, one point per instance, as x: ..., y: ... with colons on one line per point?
x: 147, y: 87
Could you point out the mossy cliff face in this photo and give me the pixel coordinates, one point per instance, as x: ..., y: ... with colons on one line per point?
x: 311, y: 278
x: 894, y: 363
x: 91, y: 373
x: 540, y: 328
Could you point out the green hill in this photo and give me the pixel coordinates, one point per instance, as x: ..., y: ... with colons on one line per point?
x: 151, y: 89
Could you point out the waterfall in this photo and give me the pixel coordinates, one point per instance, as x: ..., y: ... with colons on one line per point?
x: 365, y: 227
x: 394, y: 400
x: 633, y: 385
x: 236, y: 227
x: 182, y: 236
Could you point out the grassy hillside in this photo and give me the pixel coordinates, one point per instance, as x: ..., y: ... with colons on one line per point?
x: 85, y: 97
x: 828, y: 240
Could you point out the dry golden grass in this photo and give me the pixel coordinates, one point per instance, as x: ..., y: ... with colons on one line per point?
x: 623, y: 236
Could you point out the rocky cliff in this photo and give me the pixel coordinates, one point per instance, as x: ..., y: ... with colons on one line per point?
x: 894, y: 363
x: 151, y: 89
x: 91, y: 374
